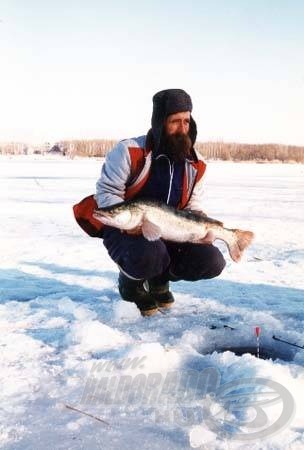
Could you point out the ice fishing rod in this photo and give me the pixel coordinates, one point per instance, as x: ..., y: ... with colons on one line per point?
x: 258, y: 332
x: 286, y: 342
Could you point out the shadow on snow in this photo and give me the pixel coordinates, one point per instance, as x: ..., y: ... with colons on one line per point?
x: 283, y: 302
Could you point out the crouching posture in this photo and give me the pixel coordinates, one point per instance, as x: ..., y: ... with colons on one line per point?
x: 160, y: 166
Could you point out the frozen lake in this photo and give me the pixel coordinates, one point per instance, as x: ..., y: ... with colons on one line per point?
x: 60, y: 313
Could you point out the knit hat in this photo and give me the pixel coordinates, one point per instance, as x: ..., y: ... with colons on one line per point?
x: 166, y: 102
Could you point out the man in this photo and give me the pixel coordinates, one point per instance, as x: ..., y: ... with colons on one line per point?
x: 163, y: 166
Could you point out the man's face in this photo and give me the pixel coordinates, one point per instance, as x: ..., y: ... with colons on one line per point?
x: 177, y: 123
x: 176, y: 140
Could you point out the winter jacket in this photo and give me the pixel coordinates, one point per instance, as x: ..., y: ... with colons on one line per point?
x: 123, y: 175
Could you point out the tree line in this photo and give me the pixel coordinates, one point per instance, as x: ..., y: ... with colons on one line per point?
x: 209, y: 150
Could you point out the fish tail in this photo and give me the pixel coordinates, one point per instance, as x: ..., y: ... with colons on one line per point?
x: 239, y: 243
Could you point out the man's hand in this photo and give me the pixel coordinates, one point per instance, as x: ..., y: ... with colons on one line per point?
x: 209, y: 238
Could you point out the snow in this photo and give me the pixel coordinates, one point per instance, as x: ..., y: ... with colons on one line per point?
x: 64, y: 326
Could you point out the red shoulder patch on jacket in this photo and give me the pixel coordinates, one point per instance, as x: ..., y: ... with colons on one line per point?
x: 137, y: 156
x: 200, y: 167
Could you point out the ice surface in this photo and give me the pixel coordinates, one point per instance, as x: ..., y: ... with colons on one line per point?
x: 63, y: 323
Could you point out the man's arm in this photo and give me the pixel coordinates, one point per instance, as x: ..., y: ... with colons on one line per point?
x: 195, y: 205
x: 115, y: 172
x: 196, y: 200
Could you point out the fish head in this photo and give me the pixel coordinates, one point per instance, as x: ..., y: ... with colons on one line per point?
x: 124, y: 217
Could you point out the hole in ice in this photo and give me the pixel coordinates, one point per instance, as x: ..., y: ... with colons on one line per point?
x: 266, y: 352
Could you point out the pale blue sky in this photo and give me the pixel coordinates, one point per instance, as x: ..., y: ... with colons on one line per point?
x: 88, y: 69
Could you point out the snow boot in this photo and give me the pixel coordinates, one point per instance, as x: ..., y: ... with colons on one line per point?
x: 134, y: 291
x: 159, y: 290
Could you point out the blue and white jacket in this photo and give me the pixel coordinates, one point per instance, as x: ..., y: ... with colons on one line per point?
x: 126, y: 173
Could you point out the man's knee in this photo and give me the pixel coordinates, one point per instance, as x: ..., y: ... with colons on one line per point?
x: 198, y: 262
x: 145, y: 259
x: 215, y: 265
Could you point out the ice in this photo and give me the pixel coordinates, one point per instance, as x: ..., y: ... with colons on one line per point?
x: 63, y: 323
x: 201, y: 435
x: 94, y: 336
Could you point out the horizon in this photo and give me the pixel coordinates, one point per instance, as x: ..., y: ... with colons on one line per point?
x: 37, y: 145
x: 78, y: 72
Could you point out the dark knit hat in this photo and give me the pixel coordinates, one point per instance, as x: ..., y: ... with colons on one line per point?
x: 170, y: 101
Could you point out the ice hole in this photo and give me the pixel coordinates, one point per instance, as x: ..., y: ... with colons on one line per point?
x: 274, y: 352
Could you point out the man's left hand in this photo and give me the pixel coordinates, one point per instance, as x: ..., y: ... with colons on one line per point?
x: 209, y: 238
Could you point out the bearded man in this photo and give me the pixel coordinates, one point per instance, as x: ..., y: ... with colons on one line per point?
x: 162, y: 166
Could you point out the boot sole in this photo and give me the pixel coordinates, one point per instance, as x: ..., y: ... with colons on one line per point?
x: 149, y: 312
x: 165, y: 305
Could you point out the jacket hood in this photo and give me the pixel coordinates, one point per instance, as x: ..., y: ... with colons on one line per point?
x: 166, y: 102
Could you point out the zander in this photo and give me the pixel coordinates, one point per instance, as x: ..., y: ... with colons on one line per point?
x: 158, y: 220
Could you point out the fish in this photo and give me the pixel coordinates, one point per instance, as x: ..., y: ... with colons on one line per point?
x: 157, y: 220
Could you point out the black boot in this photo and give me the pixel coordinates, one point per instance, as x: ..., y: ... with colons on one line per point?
x: 159, y: 290
x: 134, y: 291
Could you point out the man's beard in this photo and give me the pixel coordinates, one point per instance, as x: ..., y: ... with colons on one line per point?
x: 177, y: 146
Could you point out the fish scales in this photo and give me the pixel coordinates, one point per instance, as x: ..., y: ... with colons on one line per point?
x: 175, y: 227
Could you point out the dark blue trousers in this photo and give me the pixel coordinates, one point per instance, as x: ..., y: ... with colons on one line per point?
x: 145, y: 259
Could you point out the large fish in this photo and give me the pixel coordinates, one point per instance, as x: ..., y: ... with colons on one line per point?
x: 158, y: 220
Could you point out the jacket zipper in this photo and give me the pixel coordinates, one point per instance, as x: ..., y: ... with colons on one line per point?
x: 171, y: 171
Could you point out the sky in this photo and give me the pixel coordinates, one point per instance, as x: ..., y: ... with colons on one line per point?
x: 88, y: 69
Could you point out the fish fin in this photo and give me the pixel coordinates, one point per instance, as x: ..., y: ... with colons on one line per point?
x: 243, y: 239
x: 150, y: 231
